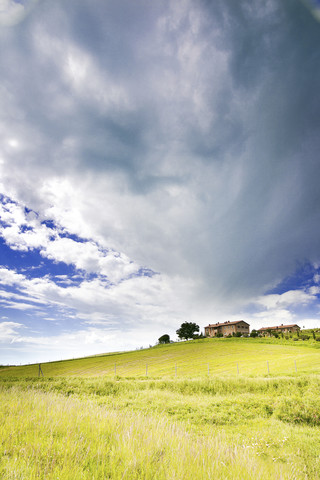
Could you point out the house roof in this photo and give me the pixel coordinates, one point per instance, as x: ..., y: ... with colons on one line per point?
x: 279, y: 327
x: 225, y: 324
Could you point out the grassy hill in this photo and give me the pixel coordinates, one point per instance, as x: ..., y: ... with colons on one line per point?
x: 181, y: 421
x: 221, y: 356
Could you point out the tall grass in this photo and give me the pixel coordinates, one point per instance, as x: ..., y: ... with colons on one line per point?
x: 48, y: 436
x: 196, y: 425
x: 300, y: 385
x: 239, y: 428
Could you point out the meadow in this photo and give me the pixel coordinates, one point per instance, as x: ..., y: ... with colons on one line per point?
x: 174, y: 420
x: 220, y: 356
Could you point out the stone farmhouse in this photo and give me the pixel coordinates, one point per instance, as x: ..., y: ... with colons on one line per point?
x: 279, y: 329
x: 227, y: 328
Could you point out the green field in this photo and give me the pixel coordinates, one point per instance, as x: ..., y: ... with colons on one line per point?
x: 179, y: 411
x: 223, y: 356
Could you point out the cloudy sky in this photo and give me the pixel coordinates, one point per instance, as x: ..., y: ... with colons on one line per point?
x: 159, y: 163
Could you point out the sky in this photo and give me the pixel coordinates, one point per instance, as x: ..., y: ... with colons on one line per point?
x: 159, y: 163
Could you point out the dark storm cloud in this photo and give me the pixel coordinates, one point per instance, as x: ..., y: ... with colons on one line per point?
x: 217, y: 99
x: 274, y: 66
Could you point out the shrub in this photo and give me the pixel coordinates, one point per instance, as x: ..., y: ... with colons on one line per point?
x: 198, y: 335
x: 304, y: 337
x: 164, y: 338
x: 304, y: 410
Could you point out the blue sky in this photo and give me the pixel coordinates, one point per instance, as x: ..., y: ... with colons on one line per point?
x: 159, y: 163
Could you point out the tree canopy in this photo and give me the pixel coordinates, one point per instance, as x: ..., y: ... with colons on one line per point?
x: 187, y: 330
x: 164, y: 338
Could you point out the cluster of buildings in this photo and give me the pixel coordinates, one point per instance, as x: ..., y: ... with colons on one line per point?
x: 233, y: 328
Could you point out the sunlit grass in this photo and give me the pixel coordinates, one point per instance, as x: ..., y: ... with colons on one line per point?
x: 103, y: 418
x: 49, y: 436
x: 189, y: 359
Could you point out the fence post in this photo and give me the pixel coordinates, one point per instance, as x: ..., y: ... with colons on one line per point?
x: 115, y: 369
x: 295, y: 365
x: 268, y: 367
x: 237, y: 368
x: 208, y: 369
x: 40, y: 370
x: 176, y: 369
x: 146, y: 369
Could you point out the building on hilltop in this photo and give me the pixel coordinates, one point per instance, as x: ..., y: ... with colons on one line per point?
x: 227, y: 328
x: 279, y: 329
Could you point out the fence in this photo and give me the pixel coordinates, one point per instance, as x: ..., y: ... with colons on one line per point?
x: 194, y: 368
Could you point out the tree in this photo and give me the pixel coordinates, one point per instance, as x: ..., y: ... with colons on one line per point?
x: 187, y: 330
x: 164, y: 338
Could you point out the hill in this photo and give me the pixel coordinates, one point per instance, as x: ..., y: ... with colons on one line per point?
x: 222, y: 356
x: 182, y: 421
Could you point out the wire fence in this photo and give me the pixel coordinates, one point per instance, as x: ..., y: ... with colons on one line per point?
x: 197, y: 368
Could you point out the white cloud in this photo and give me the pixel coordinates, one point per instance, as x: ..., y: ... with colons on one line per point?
x: 315, y: 290
x: 13, y: 12
x: 272, y: 318
x: 290, y: 298
x: 135, y: 301
x: 18, y: 305
x: 25, y: 231
x: 22, y: 229
x: 10, y: 277
x: 66, y: 345
x: 293, y: 306
x: 9, y: 331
